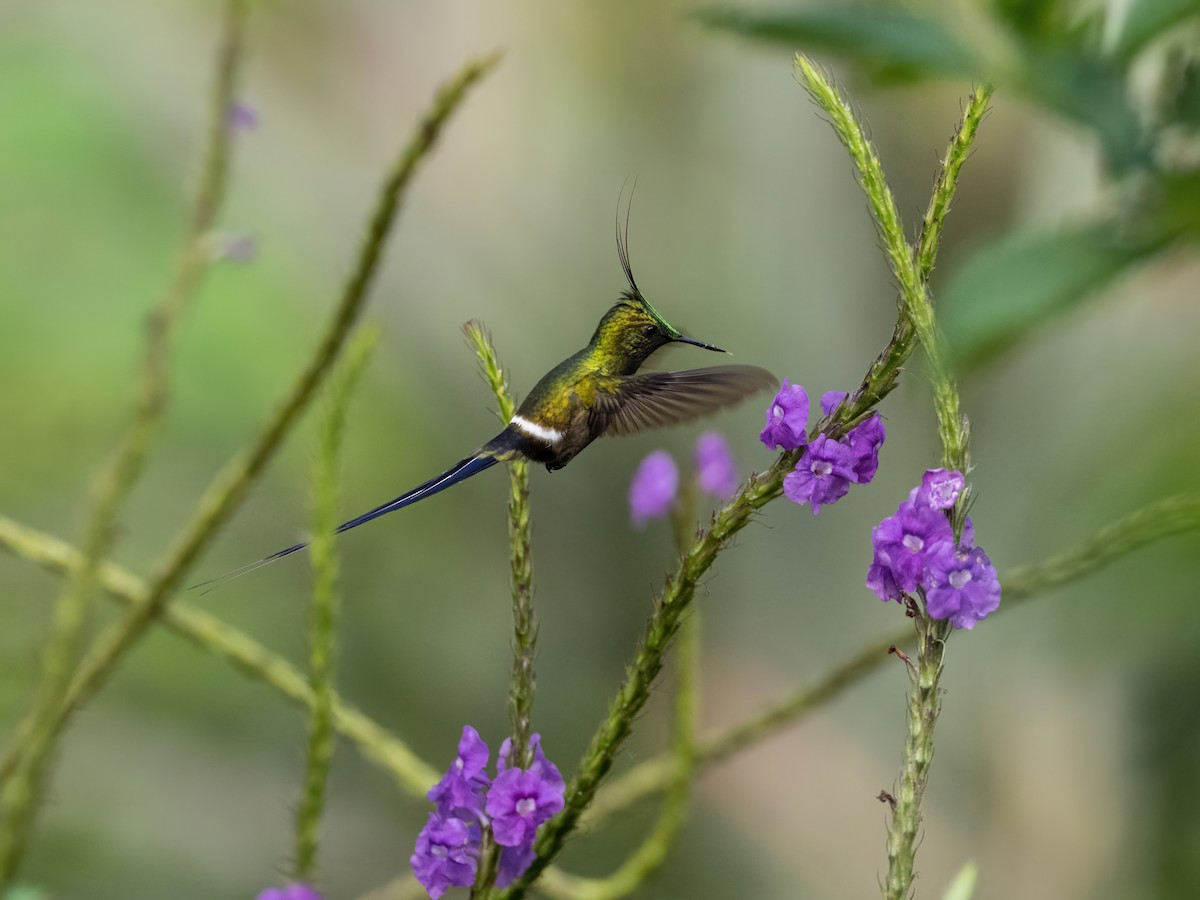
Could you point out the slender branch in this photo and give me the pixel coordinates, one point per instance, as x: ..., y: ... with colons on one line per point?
x: 756, y: 493
x: 1167, y: 518
x: 521, y: 683
x: 682, y: 757
x: 245, y: 654
x: 231, y: 486
x: 323, y: 613
x: 18, y: 803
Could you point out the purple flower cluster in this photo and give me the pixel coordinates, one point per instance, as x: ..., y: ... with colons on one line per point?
x: 512, y: 805
x: 827, y: 467
x: 915, y: 551
x: 655, y: 484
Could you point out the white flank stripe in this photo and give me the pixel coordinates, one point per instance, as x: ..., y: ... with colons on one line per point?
x: 533, y: 429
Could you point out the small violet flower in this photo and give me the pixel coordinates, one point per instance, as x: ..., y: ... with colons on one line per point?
x: 447, y: 854
x: 787, y: 419
x: 542, y: 766
x: 513, y: 863
x: 291, y: 892
x: 459, y: 793
x: 939, y: 488
x: 716, y: 472
x: 961, y: 585
x: 241, y: 116
x: 914, y: 550
x: 652, y: 492
x: 823, y: 474
x: 865, y: 438
x: 232, y: 246
x: 519, y: 801
x: 902, y: 543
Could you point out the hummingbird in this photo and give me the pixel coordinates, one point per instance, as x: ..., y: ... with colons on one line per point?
x: 595, y: 392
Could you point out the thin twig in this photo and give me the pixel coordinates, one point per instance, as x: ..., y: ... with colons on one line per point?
x: 36, y: 736
x: 323, y: 615
x: 230, y: 487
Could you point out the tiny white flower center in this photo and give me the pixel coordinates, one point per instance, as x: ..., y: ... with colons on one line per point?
x: 526, y: 806
x: 777, y: 411
x: 438, y: 851
x: 821, y: 468
x: 458, y: 764
x: 913, y: 543
x: 960, y: 578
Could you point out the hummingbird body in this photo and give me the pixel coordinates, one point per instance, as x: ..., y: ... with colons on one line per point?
x: 596, y: 391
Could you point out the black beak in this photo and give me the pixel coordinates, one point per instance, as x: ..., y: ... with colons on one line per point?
x: 696, y: 343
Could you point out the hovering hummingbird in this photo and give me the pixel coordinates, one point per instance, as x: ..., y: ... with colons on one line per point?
x: 596, y: 391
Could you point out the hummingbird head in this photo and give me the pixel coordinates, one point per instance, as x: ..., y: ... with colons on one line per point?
x: 633, y: 329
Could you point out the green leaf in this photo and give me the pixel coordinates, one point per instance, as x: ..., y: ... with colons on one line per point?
x: 963, y: 885
x: 1090, y: 90
x: 886, y: 39
x: 1017, y: 283
x: 1148, y: 19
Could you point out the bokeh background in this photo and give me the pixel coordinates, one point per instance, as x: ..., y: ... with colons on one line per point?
x: 1066, y: 753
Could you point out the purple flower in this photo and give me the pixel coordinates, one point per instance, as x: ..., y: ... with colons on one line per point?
x: 902, y: 544
x: 291, y: 892
x: 459, y: 793
x: 830, y: 400
x: 241, y: 116
x: 519, y: 801
x: 233, y: 246
x: 823, y: 474
x: 716, y: 471
x: 865, y: 440
x: 446, y: 856
x: 787, y: 419
x: 939, y: 488
x: 960, y: 585
x: 513, y: 863
x: 882, y: 580
x: 652, y: 491
x: 542, y: 766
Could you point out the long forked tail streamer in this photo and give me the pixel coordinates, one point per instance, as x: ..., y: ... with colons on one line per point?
x: 452, y: 476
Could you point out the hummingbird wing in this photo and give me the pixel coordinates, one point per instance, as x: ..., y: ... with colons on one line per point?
x: 655, y: 399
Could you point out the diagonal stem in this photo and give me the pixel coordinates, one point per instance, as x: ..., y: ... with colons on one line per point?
x: 37, y: 733
x: 230, y: 487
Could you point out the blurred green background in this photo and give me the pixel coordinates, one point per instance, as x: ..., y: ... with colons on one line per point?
x: 1070, y: 729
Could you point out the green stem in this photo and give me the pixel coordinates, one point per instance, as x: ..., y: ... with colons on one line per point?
x: 230, y: 487
x: 37, y: 734
x: 1158, y: 521
x: 756, y: 493
x: 1167, y: 518
x: 323, y: 613
x: 682, y: 759
x: 245, y: 654
x: 522, y: 684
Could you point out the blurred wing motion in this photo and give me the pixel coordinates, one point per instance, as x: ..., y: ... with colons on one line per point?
x: 657, y: 399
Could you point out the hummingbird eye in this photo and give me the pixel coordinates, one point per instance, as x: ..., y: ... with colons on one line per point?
x: 650, y: 328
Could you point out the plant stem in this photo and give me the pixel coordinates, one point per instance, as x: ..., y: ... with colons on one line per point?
x: 37, y: 734
x: 682, y: 759
x: 1167, y: 518
x: 522, y: 684
x: 1158, y: 521
x: 230, y: 487
x: 323, y: 611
